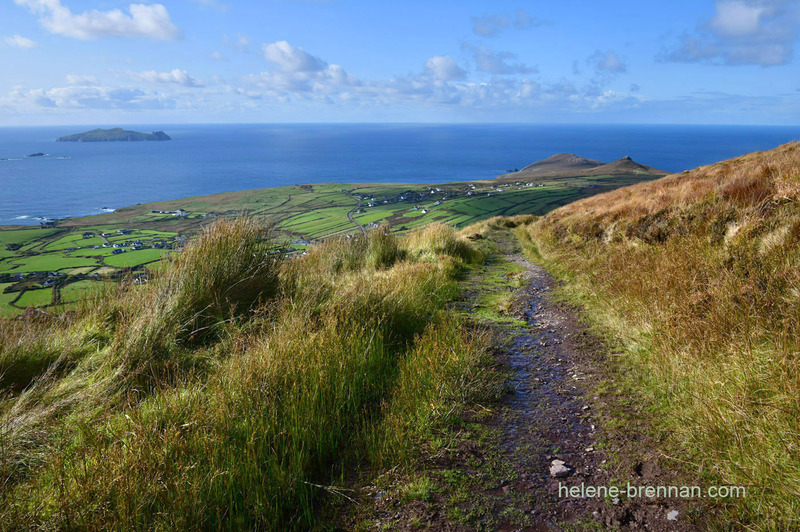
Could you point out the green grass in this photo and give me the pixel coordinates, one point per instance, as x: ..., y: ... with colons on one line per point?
x: 79, y: 291
x: 308, y: 211
x: 132, y: 258
x: 99, y: 252
x: 35, y: 298
x: 74, y: 239
x: 6, y: 309
x: 227, y: 392
x: 44, y: 262
x: 21, y: 236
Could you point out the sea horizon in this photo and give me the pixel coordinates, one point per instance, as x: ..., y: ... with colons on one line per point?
x: 78, y: 179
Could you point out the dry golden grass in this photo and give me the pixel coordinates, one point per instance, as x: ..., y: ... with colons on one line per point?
x: 745, y: 182
x: 698, y: 274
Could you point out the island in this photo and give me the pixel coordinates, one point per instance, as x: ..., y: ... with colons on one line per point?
x: 116, y: 134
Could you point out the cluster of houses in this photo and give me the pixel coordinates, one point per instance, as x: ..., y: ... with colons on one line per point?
x: 437, y: 194
x: 50, y: 281
x: 179, y: 212
x: 120, y: 247
x: 408, y: 195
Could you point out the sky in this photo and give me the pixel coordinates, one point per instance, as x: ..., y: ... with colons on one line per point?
x: 229, y: 61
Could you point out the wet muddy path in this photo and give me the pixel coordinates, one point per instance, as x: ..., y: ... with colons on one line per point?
x: 551, y: 433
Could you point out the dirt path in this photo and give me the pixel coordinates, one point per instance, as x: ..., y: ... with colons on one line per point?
x: 553, y: 436
x: 500, y: 471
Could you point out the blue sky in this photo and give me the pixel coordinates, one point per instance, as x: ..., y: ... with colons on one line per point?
x: 573, y: 61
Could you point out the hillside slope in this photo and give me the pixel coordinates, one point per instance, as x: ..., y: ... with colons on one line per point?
x: 563, y: 165
x: 697, y: 274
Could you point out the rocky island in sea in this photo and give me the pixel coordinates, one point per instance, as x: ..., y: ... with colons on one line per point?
x: 116, y: 134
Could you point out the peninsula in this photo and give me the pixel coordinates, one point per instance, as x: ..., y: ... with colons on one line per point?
x: 563, y: 165
x: 116, y: 134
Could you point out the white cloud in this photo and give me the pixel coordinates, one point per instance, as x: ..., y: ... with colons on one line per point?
x: 18, y: 41
x: 445, y: 68
x: 77, y: 79
x: 742, y: 32
x: 291, y: 58
x: 492, y: 25
x: 82, y: 98
x: 332, y: 79
x: 501, y: 94
x: 151, y: 21
x: 217, y: 56
x: 737, y: 18
x: 607, y: 61
x: 491, y: 62
x: 173, y: 77
x: 239, y: 43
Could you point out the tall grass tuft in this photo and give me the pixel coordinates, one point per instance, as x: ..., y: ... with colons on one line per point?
x: 436, y: 240
x: 382, y: 248
x: 224, y: 273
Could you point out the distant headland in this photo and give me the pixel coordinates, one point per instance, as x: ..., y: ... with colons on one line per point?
x: 562, y: 165
x: 116, y: 134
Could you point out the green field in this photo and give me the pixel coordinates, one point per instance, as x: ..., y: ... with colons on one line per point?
x: 77, y: 291
x: 23, y: 236
x: 311, y: 212
x: 44, y: 262
x: 134, y: 258
x: 73, y: 239
x: 6, y: 309
x: 100, y: 252
x: 35, y: 298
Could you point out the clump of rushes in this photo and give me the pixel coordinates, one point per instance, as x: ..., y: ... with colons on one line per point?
x: 224, y: 273
x: 382, y: 248
x: 236, y: 391
x: 697, y: 273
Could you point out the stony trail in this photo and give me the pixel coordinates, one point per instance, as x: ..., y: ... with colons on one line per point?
x: 550, y: 431
x: 510, y: 466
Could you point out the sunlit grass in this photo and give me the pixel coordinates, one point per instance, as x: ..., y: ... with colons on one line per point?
x: 235, y: 390
x: 697, y: 273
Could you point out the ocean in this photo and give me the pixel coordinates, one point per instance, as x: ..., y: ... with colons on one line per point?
x: 76, y: 179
